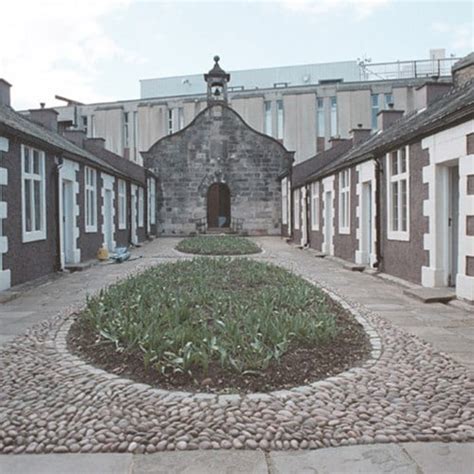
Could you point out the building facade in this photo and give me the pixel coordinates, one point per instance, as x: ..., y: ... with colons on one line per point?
x: 218, y: 171
x: 399, y: 200
x: 63, y: 197
x: 301, y: 106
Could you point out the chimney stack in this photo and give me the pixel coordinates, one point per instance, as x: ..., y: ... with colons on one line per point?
x: 48, y: 118
x: 95, y: 143
x: 463, y: 70
x: 5, y: 92
x: 334, y: 141
x: 76, y: 136
x: 427, y: 93
x: 360, y: 134
x: 386, y: 118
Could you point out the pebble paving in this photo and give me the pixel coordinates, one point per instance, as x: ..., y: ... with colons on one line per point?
x: 52, y: 402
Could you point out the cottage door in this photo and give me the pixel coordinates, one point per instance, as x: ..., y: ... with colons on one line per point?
x: 453, y: 223
x: 108, y: 223
x: 366, y: 222
x: 67, y: 241
x: 218, y: 206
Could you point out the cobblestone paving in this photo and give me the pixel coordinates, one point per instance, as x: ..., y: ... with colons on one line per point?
x: 50, y: 401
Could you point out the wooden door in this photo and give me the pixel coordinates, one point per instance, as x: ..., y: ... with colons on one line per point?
x: 218, y: 206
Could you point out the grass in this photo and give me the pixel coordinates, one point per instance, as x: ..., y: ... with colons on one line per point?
x: 218, y: 245
x: 240, y: 313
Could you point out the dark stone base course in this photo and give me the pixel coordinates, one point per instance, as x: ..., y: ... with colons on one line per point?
x: 51, y: 401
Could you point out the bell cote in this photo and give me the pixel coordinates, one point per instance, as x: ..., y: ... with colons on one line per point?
x: 217, y: 80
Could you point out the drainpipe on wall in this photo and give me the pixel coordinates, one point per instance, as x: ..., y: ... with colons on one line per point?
x: 308, y: 215
x: 57, y: 214
x: 378, y: 214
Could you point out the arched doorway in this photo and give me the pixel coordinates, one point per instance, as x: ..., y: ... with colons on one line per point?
x: 218, y: 206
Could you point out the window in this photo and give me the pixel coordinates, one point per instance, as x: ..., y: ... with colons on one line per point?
x: 135, y: 136
x: 33, y: 200
x: 296, y: 208
x: 284, y: 201
x: 151, y: 200
x: 122, y: 204
x: 344, y: 201
x: 268, y: 117
x: 334, y: 117
x: 141, y: 205
x: 320, y: 117
x: 126, y: 136
x: 279, y: 104
x: 398, y: 194
x: 84, y: 123
x: 180, y: 118
x: 315, y: 206
x: 374, y: 100
x: 388, y: 99
x: 170, y: 121
x: 91, y: 199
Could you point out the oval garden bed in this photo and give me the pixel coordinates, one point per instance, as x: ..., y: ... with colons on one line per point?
x: 218, y: 245
x: 220, y: 325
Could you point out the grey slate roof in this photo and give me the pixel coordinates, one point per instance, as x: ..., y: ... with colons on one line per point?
x: 456, y: 105
x: 301, y: 171
x: 19, y: 123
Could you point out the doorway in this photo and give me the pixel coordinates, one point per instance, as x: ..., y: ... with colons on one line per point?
x: 108, y: 223
x: 453, y: 224
x: 328, y: 223
x: 366, y: 223
x: 218, y: 206
x: 67, y: 241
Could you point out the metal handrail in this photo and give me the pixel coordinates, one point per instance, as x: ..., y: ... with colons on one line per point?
x: 406, y: 69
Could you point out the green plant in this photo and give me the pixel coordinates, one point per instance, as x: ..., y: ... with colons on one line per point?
x: 218, y: 245
x: 239, y: 312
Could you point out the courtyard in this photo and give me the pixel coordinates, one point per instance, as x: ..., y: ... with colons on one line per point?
x: 406, y: 408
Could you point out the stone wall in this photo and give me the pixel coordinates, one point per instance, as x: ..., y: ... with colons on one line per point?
x: 218, y: 147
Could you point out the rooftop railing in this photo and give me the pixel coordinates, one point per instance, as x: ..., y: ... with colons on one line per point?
x: 406, y: 69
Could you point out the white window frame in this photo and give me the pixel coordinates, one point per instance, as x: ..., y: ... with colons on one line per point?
x: 152, y: 201
x: 170, y: 121
x: 90, y: 190
x: 315, y: 206
x: 334, y: 124
x: 297, y: 208
x: 126, y: 130
x: 40, y: 234
x: 280, y: 128
x: 141, y: 207
x: 267, y: 117
x: 284, y: 201
x: 122, y: 204
x: 320, y: 119
x: 395, y: 232
x: 345, y: 201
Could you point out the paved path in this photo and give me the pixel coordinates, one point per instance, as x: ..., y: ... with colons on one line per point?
x: 409, y: 458
x: 446, y: 328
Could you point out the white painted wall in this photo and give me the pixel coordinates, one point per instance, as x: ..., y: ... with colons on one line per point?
x: 67, y: 172
x: 5, y: 275
x: 447, y: 148
x: 366, y: 174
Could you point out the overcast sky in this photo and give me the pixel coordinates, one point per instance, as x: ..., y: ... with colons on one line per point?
x: 97, y: 50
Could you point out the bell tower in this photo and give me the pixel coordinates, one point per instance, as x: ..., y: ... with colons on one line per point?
x: 217, y: 80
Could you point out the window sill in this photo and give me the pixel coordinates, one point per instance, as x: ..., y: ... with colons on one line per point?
x: 33, y: 236
x: 400, y: 236
x: 90, y: 229
x: 344, y: 230
x: 122, y: 227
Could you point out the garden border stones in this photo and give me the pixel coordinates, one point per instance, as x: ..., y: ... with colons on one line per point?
x: 52, y: 401
x: 374, y: 340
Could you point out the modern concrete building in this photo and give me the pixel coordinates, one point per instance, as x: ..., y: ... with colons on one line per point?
x: 301, y: 106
